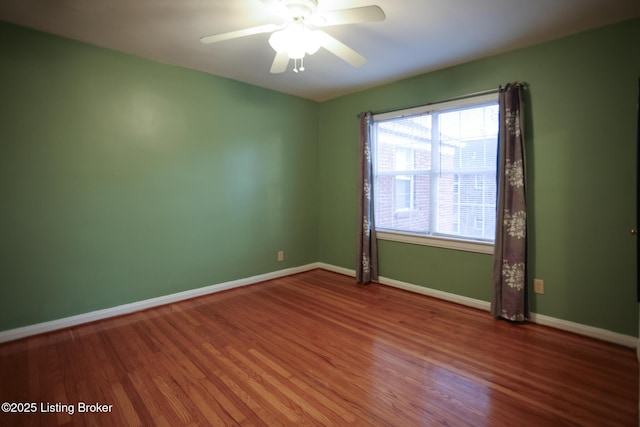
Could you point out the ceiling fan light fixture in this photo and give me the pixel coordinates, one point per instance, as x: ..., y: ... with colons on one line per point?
x: 296, y: 40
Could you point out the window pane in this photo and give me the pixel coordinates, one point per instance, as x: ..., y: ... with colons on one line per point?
x: 402, y: 161
x: 468, y: 151
x: 400, y: 139
x: 464, y: 205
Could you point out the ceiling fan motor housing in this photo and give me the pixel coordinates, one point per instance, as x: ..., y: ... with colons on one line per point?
x: 300, y: 9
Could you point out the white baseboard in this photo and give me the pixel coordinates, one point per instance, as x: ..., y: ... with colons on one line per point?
x: 336, y: 269
x: 39, y: 328
x: 565, y: 325
x: 423, y: 290
x: 589, y: 331
x: 446, y: 296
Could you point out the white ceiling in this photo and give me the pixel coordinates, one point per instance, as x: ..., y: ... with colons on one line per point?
x: 417, y: 36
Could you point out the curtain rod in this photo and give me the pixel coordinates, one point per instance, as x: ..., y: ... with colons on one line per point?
x: 455, y: 98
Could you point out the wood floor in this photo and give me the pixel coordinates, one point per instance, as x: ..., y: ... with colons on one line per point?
x: 315, y: 349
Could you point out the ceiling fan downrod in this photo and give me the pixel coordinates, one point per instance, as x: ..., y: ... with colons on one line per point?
x: 300, y: 9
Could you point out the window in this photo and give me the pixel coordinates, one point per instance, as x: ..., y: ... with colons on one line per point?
x: 404, y: 195
x: 435, y: 173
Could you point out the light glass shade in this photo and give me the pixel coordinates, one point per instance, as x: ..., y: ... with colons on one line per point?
x: 296, y: 40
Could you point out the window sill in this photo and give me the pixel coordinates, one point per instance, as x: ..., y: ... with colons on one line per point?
x: 438, y: 242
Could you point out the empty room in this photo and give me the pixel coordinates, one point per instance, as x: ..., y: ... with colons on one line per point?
x: 301, y: 212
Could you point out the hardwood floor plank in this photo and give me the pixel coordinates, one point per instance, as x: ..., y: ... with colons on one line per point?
x: 143, y: 385
x: 312, y: 397
x: 316, y: 349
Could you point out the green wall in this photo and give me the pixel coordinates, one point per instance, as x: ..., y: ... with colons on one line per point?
x: 581, y: 148
x: 123, y: 179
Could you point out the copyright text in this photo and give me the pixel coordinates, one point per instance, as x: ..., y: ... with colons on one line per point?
x: 49, y: 407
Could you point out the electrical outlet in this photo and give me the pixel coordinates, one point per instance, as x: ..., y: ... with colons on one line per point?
x: 538, y: 286
x: 280, y: 256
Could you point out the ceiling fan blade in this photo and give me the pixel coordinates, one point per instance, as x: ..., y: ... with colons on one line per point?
x: 348, y: 16
x: 239, y: 33
x: 342, y: 51
x: 280, y: 63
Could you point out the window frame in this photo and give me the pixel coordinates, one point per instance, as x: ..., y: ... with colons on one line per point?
x: 435, y: 240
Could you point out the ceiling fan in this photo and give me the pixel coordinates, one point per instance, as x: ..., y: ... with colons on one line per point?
x: 299, y: 34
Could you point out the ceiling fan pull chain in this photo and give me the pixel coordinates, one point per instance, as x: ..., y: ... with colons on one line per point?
x: 302, y: 64
x: 295, y: 65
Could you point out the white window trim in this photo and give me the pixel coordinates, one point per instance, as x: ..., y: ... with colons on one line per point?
x: 438, y: 242
x: 433, y: 107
